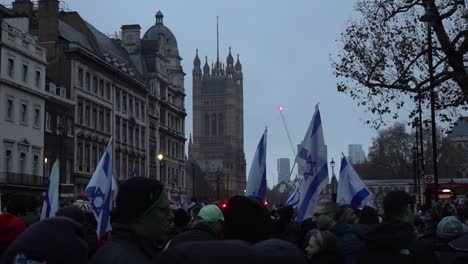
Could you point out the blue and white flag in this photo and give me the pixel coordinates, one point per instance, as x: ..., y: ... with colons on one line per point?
x: 351, y: 189
x: 313, y: 156
x: 256, y: 184
x: 51, y: 200
x: 99, y: 191
x: 293, y: 200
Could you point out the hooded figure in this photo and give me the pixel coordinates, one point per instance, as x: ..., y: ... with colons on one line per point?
x: 143, y: 217
x: 53, y: 241
x: 208, y: 226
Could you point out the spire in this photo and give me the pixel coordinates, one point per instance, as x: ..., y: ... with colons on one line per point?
x: 206, y: 67
x: 238, y: 64
x: 196, y: 61
x: 159, y: 18
x: 217, y: 39
x: 230, y: 59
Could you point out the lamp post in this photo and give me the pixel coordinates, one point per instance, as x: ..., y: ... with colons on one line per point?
x: 333, y: 181
x: 161, y: 165
x: 428, y: 18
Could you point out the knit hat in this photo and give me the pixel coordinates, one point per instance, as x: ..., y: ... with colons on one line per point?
x: 135, y: 196
x: 450, y: 227
x: 210, y: 214
x: 10, y: 228
x: 55, y: 240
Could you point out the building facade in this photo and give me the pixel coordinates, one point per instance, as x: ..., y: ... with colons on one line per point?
x: 22, y: 107
x: 126, y: 88
x: 458, y: 136
x: 218, y: 125
x: 283, y: 168
x: 356, y: 154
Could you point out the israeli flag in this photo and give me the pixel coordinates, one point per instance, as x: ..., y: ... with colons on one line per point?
x: 351, y: 189
x: 256, y: 184
x: 50, y: 205
x: 293, y: 200
x: 313, y: 156
x: 99, y: 191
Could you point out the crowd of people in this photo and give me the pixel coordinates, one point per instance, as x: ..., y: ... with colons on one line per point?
x: 146, y: 230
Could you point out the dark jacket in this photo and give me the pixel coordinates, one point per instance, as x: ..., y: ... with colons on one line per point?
x: 125, y: 246
x: 200, y: 232
x: 288, y: 231
x: 350, y: 242
x: 396, y: 243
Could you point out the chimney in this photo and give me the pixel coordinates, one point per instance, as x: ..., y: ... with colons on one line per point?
x: 23, y: 8
x: 131, y: 38
x: 48, y: 20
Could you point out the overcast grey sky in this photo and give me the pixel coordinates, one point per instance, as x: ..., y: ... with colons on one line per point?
x: 284, y: 48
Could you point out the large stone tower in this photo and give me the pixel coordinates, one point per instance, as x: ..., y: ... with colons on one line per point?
x: 218, y: 125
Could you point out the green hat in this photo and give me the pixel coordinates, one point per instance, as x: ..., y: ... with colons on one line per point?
x: 210, y: 214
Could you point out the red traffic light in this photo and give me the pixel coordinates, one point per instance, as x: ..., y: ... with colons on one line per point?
x: 266, y: 203
x: 224, y: 205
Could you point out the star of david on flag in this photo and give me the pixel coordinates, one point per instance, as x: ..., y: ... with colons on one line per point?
x: 99, y: 191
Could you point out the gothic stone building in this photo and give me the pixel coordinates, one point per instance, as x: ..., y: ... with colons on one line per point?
x: 218, y: 126
x: 128, y: 89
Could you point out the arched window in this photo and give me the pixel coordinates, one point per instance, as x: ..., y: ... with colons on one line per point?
x: 207, y: 125
x: 213, y: 125
x: 221, y: 124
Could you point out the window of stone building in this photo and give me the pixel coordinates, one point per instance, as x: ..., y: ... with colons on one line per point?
x: 95, y: 85
x: 137, y: 136
x: 117, y: 128
x: 152, y: 130
x: 68, y: 167
x: 108, y: 90
x: 124, y: 102
x: 8, y: 154
x: 94, y: 156
x: 35, y: 166
x: 11, y: 67
x: 213, y: 125
x: 9, y: 108
x: 25, y: 73
x: 48, y: 122
x: 87, y: 157
x: 95, y: 117
x: 101, y: 87
x: 80, y: 111
x: 37, y: 80
x: 137, y: 108
x: 88, y: 81
x: 59, y: 124
x: 24, y: 113
x: 69, y: 127
x: 22, y: 162
x: 130, y: 105
x: 130, y: 135
x: 80, y: 77
x: 124, y: 166
x: 207, y: 124
x: 124, y: 131
x: 117, y: 165
x: 142, y: 110
x: 221, y: 124
x: 108, y: 121
x: 88, y: 114
x: 79, y: 155
x: 142, y: 170
x: 117, y: 98
x: 37, y: 117
x: 101, y: 119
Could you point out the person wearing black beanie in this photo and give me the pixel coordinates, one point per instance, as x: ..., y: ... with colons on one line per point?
x: 142, y: 218
x: 55, y: 240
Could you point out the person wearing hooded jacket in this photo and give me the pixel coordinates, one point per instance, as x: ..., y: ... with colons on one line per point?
x: 143, y: 217
x: 394, y: 240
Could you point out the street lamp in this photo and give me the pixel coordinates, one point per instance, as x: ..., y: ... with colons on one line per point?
x: 333, y: 181
x: 428, y: 18
x: 161, y: 165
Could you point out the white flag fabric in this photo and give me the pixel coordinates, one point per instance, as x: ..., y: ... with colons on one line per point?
x: 293, y: 200
x: 50, y: 205
x: 313, y: 156
x: 99, y: 191
x: 256, y: 183
x: 351, y: 189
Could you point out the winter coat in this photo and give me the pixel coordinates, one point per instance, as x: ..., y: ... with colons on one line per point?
x: 396, y: 243
x: 200, y: 232
x: 125, y: 246
x: 349, y: 242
